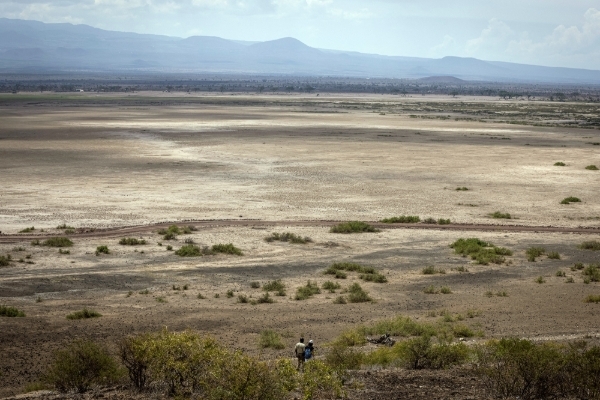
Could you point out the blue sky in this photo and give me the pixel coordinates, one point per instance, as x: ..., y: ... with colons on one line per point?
x: 544, y: 32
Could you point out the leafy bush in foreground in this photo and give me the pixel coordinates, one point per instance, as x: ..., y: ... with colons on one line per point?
x: 58, y: 242
x: 81, y: 366
x: 353, y: 227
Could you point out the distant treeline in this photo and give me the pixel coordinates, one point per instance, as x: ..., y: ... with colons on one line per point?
x: 278, y: 84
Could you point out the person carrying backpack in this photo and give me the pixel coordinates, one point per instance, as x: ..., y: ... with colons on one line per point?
x: 309, y: 350
x: 299, y: 351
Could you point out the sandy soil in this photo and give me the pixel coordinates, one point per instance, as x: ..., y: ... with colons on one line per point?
x: 109, y: 166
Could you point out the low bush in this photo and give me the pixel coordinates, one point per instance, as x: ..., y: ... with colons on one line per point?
x: 430, y: 220
x: 592, y: 272
x: 431, y: 270
x: 353, y: 227
x: 368, y: 274
x: 7, y: 311
x: 403, y: 219
x: 58, y: 242
x: 270, y: 339
x: 61, y: 251
x: 500, y: 215
x: 102, y: 250
x: 445, y: 290
x: 228, y: 248
x: 554, y: 255
x: 443, y: 221
x: 569, y: 200
x: 356, y: 294
x: 27, y: 230
x: 274, y: 286
x: 173, y: 229
x: 229, y: 293
x: 560, y: 274
x: 81, y: 366
x: 264, y: 299
x: 590, y: 245
x: 592, y: 298
x: 331, y: 286
x: 169, y: 236
x: 480, y: 251
x: 430, y: 290
x: 540, y: 279
x: 200, y: 296
x: 307, y: 291
x: 534, y: 252
x: 340, y: 300
x: 64, y: 226
x: 559, y: 164
x: 255, y: 285
x: 84, y: 314
x: 377, y: 278
x: 288, y: 237
x: 592, y: 168
x: 189, y: 250
x: 131, y: 241
x: 5, y: 260
x: 463, y: 189
x: 570, y: 280
x: 169, y: 248
x: 319, y: 381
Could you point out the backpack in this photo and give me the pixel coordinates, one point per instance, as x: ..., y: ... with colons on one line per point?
x: 307, y: 353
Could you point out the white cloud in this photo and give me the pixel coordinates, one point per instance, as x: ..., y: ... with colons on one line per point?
x: 447, y: 47
x: 494, y: 37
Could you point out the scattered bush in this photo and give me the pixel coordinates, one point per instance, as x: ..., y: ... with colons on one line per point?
x: 445, y: 290
x: 305, y: 292
x: 161, y: 300
x: 19, y: 248
x: 254, y: 285
x: 443, y: 221
x: 229, y: 293
x: 559, y: 164
x: 462, y: 269
x: 5, y: 260
x: 274, y: 286
x: 569, y: 200
x: 173, y: 229
x: 430, y: 290
x: 228, y: 248
x: 353, y: 227
x: 27, y: 230
x: 553, y: 255
x: 463, y: 189
x: 592, y: 299
x: 36, y: 242
x: 242, y: 298
x: 592, y: 168
x: 592, y: 272
x: 540, y: 279
x: 7, y: 311
x: 169, y: 236
x: 61, y: 251
x: 65, y: 226
x: 480, y: 251
x: 288, y: 237
x: 534, y: 252
x: 81, y: 366
x: 84, y: 314
x: 189, y: 250
x: 430, y: 220
x: 131, y: 241
x: 500, y: 215
x: 403, y: 219
x: 431, y: 270
x: 590, y: 245
x: 319, y: 381
x: 58, y: 242
x: 368, y: 274
x: 270, y: 339
x: 331, y: 286
x: 200, y: 296
x: 340, y: 300
x: 560, y: 274
x: 102, y: 250
x: 356, y: 294
x: 577, y: 266
x: 169, y: 248
x: 264, y: 299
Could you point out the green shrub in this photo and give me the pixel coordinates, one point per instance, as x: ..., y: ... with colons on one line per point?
x: 64, y: 226
x: 319, y: 381
x: 403, y: 219
x: 356, y: 294
x: 36, y: 242
x: 534, y: 252
x: 58, y: 242
x: 189, y: 250
x: 169, y: 236
x: 228, y: 248
x: 590, y: 245
x: 200, y: 296
x: 560, y: 274
x: 84, y: 314
x: 81, y: 366
x: 570, y: 280
x: 173, y: 229
x: 270, y: 339
x: 592, y: 271
x: 431, y: 270
x: 443, y: 221
x: 288, y: 237
x: 540, y: 279
x: 480, y: 251
x: 340, y: 300
x: 307, y: 291
x: 445, y: 290
x: 430, y: 290
x: 331, y: 286
x: 131, y: 241
x: 255, y: 285
x: 353, y: 227
x: 569, y: 200
x: 559, y: 164
x: 377, y: 278
x: 5, y: 260
x: 7, y: 311
x: 368, y: 274
x: 229, y: 293
x: 463, y: 189
x: 342, y: 358
x: 553, y: 255
x: 169, y: 248
x: 592, y: 168
x: 592, y: 299
x: 61, y: 251
x: 430, y: 220
x: 264, y: 299
x: 274, y: 286
x: 27, y: 230
x: 102, y: 250
x: 500, y: 215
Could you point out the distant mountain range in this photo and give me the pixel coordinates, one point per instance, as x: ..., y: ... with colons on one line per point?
x: 36, y: 47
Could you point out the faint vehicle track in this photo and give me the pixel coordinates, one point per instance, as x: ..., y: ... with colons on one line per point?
x: 207, y: 224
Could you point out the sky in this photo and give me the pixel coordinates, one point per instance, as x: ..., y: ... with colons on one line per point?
x: 543, y: 32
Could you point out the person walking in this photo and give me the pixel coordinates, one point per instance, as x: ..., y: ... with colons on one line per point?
x: 299, y: 350
x: 309, y: 351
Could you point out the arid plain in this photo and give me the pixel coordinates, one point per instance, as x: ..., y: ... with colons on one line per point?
x: 255, y: 165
